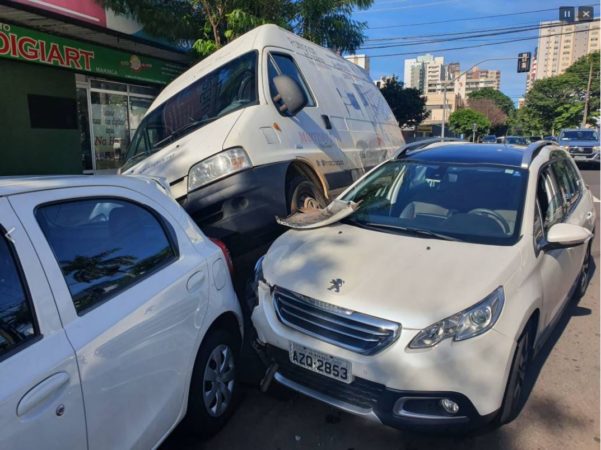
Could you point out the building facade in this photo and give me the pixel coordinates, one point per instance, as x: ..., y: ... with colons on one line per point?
x: 475, y: 79
x: 425, y: 73
x: 360, y: 60
x: 561, y: 44
x: 76, y: 82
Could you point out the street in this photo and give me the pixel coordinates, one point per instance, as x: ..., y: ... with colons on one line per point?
x: 562, y: 410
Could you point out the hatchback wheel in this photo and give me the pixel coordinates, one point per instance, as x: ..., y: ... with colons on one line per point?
x: 584, y: 273
x: 515, y: 392
x: 213, y: 391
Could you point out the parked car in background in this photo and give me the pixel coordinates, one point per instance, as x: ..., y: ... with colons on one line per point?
x: 513, y: 140
x: 582, y: 143
x: 550, y: 138
x: 423, y: 307
x: 117, y: 316
x: 267, y: 124
x: 489, y: 139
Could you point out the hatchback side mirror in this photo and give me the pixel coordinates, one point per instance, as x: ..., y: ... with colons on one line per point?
x: 565, y: 235
x: 291, y: 96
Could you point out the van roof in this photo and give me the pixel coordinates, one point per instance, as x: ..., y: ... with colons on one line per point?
x: 256, y: 39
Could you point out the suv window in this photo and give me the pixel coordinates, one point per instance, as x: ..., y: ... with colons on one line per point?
x: 549, y: 198
x: 280, y: 64
x: 568, y: 179
x: 17, y: 324
x: 104, y: 245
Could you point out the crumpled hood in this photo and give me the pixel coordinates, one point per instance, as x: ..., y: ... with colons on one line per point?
x: 174, y: 161
x: 410, y: 280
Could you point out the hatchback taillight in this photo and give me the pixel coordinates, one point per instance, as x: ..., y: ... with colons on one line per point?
x: 226, y: 254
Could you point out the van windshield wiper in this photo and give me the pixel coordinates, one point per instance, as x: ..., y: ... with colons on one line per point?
x: 180, y: 131
x: 414, y: 231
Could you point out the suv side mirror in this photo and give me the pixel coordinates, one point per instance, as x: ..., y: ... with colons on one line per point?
x: 291, y: 97
x: 565, y: 235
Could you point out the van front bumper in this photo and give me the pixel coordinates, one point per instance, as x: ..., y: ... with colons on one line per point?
x: 241, y: 208
x: 397, y: 386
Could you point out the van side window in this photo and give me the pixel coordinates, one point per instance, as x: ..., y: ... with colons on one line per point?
x: 17, y: 324
x: 104, y: 245
x: 280, y: 64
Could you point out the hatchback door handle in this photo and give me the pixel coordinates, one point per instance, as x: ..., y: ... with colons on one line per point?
x: 44, y: 392
x: 589, y: 215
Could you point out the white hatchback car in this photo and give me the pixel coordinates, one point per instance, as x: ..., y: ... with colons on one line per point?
x: 424, y: 306
x: 117, y: 316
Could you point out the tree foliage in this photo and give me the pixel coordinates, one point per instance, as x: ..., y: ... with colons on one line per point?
x: 489, y: 109
x: 462, y: 122
x: 407, y: 104
x: 210, y: 24
x: 558, y: 102
x: 500, y: 99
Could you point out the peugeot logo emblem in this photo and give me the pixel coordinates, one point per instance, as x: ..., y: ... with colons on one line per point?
x: 335, y: 285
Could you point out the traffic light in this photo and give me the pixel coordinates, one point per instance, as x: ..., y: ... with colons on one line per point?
x: 524, y: 62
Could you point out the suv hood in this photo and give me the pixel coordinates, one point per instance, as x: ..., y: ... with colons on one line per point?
x: 411, y: 280
x: 173, y: 161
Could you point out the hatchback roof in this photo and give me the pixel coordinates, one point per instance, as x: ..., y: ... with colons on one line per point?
x: 22, y: 184
x: 501, y: 154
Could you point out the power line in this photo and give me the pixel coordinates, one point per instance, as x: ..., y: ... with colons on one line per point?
x: 458, y: 38
x: 462, y: 19
x: 472, y: 46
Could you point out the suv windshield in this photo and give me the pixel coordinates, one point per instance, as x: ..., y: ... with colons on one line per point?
x: 466, y: 202
x: 229, y: 88
x: 579, y: 135
x: 516, y: 140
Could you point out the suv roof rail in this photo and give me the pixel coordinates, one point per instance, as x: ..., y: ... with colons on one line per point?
x: 422, y: 144
x: 533, y: 150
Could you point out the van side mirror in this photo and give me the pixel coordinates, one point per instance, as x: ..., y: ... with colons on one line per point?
x: 291, y: 96
x: 565, y: 235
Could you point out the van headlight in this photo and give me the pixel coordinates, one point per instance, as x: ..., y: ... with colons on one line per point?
x: 464, y: 325
x: 218, y: 166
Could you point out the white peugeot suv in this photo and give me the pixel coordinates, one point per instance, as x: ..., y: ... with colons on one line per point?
x: 117, y: 316
x: 423, y: 307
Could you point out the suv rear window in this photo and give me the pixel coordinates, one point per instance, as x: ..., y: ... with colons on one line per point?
x: 104, y: 245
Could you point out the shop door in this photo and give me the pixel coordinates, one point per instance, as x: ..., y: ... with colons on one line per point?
x: 110, y: 127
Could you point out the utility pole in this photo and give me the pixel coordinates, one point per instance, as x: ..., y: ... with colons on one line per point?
x: 587, y: 95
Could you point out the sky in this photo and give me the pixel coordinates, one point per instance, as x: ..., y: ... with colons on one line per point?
x: 402, y: 18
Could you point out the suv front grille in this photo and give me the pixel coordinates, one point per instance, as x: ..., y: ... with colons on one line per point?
x: 351, y: 330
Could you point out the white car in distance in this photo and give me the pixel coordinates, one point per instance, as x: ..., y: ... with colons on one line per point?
x: 423, y: 307
x: 117, y: 316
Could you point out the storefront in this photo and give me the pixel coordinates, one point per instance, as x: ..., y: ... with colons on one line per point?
x: 69, y: 105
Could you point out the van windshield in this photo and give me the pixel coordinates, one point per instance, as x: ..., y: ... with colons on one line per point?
x: 231, y: 87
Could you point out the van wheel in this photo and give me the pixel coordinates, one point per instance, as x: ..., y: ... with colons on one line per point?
x: 303, y: 193
x: 214, y: 386
x: 584, y: 278
x: 515, y: 392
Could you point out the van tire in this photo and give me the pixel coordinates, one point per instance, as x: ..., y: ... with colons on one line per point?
x: 200, y: 420
x: 584, y: 278
x: 303, y: 193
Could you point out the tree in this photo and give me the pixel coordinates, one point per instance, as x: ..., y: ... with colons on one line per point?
x: 462, y: 121
x: 210, y: 24
x: 488, y: 108
x: 500, y: 99
x: 407, y: 104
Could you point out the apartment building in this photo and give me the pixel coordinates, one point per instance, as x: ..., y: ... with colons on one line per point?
x: 425, y: 73
x: 475, y: 79
x: 561, y: 44
x: 360, y: 60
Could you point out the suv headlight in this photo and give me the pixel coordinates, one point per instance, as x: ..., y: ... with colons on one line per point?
x: 218, y: 166
x: 464, y: 325
x: 596, y: 148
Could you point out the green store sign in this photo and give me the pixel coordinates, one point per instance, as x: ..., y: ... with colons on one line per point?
x: 29, y: 45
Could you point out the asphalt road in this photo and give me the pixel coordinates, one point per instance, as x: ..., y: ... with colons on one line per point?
x: 562, y: 411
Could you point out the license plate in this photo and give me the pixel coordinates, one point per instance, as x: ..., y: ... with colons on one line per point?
x: 321, y: 363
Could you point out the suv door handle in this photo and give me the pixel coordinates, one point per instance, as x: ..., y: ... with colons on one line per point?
x: 589, y: 215
x: 44, y: 392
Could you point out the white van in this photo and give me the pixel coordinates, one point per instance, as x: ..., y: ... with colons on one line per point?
x: 267, y: 124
